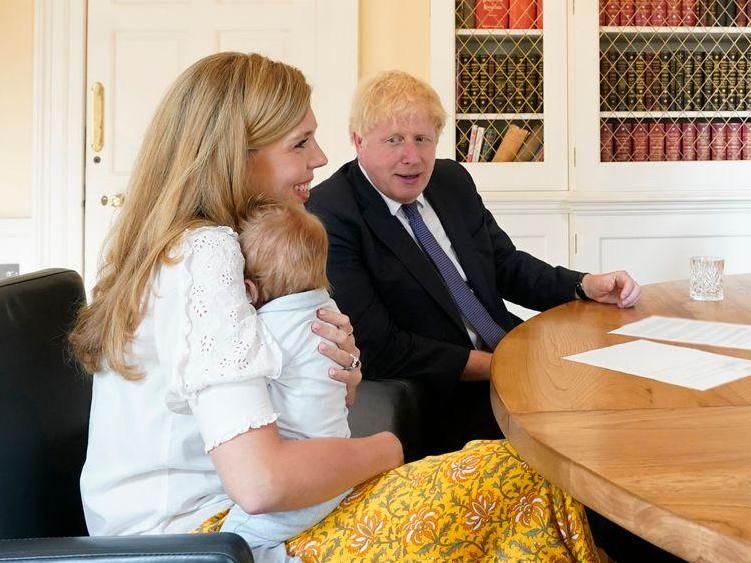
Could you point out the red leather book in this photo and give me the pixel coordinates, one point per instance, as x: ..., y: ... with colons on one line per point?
x: 642, y: 12
x: 612, y: 12
x: 688, y: 141
x: 672, y: 141
x: 734, y: 141
x: 656, y: 142
x: 628, y: 9
x: 640, y: 135
x: 538, y: 18
x: 492, y: 14
x: 746, y: 138
x: 522, y: 14
x: 659, y: 16
x: 718, y: 144
x: 622, y: 142
x: 703, y: 136
x: 742, y: 14
x: 674, y: 13
x: 688, y: 12
x: 607, y: 153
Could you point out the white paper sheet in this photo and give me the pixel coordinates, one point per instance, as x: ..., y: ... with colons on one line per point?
x: 686, y: 367
x: 728, y: 335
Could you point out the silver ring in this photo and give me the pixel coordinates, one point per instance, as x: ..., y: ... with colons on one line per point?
x: 356, y: 363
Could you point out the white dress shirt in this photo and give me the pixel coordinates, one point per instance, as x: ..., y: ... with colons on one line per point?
x: 433, y: 223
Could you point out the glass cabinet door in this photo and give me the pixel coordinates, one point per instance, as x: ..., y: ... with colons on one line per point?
x: 661, y: 94
x: 499, y: 66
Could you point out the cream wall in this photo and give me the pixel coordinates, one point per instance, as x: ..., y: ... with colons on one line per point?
x: 395, y: 34
x: 16, y: 35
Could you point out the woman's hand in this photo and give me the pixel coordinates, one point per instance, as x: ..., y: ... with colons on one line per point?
x: 337, y: 328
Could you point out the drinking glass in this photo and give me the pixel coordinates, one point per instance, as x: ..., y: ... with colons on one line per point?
x: 705, y: 279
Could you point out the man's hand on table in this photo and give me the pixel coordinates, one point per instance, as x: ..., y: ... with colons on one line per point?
x: 617, y: 288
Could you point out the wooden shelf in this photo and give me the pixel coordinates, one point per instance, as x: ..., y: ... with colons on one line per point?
x: 499, y: 33
x: 500, y: 116
x: 673, y: 114
x: 679, y: 30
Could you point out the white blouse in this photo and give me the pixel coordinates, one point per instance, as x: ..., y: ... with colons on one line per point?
x: 206, y: 359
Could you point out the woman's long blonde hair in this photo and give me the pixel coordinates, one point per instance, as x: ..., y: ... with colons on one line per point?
x: 192, y: 170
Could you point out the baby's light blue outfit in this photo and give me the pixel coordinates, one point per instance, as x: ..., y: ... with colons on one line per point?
x: 310, y: 405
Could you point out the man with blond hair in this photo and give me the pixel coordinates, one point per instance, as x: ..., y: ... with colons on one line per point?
x: 420, y: 265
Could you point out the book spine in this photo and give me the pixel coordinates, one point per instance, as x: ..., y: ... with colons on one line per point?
x: 479, y: 137
x: 703, y: 137
x: 612, y: 11
x: 472, y: 143
x: 746, y: 138
x: 628, y: 10
x: 678, y: 94
x: 717, y: 80
x: 642, y: 12
x: 492, y: 14
x: 622, y: 142
x: 724, y: 102
x: 463, y: 99
x: 741, y: 16
x: 482, y: 83
x: 621, y: 86
x: 490, y: 140
x: 631, y: 81
x: 512, y: 140
x: 491, y: 90
x: 652, y: 80
x: 607, y: 153
x: 612, y: 80
x: 743, y: 82
x: 697, y: 103
x: 522, y: 14
x: 659, y: 16
x: 656, y: 142
x: 640, y: 86
x: 465, y: 14
x: 640, y: 134
x: 530, y: 146
x: 734, y: 141
x: 729, y: 11
x: 672, y: 142
x: 674, y: 18
x: 688, y: 141
x: 501, y: 101
x: 538, y: 16
x: 534, y: 96
x: 708, y: 88
x: 462, y: 143
x: 663, y: 103
x: 718, y: 143
x: 733, y: 97
x: 519, y: 78
x: 702, y: 7
x: 689, y: 96
x: 688, y: 12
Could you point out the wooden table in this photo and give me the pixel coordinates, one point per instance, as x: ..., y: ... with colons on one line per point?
x: 671, y: 464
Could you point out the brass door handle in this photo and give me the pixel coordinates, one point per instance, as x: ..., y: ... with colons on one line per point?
x: 97, y: 137
x: 116, y: 200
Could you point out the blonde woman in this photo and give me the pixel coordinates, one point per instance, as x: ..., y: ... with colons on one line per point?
x: 182, y: 429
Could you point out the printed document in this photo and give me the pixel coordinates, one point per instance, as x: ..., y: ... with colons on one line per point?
x: 677, y: 365
x: 690, y: 331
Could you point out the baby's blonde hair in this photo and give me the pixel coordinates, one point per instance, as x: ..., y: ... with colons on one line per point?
x: 390, y: 95
x: 285, y: 248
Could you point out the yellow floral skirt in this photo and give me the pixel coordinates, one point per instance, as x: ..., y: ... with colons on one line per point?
x: 482, y: 503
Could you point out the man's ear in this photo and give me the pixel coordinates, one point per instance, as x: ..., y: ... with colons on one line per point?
x: 252, y: 290
x: 358, y: 142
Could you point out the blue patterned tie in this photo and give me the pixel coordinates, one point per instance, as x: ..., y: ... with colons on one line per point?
x: 474, y: 311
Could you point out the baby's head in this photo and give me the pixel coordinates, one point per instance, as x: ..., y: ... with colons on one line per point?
x: 285, y: 250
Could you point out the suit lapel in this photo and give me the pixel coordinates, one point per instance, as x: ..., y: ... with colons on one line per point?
x: 392, y: 233
x: 458, y: 234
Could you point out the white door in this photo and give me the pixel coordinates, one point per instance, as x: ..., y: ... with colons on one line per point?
x: 136, y: 49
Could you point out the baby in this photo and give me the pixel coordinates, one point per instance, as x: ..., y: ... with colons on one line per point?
x: 285, y: 251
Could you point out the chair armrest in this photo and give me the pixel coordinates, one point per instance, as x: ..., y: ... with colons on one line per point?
x: 199, y: 548
x: 394, y: 405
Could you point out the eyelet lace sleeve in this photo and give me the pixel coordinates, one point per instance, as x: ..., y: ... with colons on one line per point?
x: 223, y: 342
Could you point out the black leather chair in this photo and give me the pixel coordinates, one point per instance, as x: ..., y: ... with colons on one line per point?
x: 44, y: 420
x: 44, y: 416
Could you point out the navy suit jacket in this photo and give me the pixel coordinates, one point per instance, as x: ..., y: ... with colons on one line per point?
x: 406, y: 323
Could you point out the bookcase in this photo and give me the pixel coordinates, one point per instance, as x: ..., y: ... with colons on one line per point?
x: 645, y: 112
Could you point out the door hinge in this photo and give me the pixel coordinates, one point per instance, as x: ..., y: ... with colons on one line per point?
x: 574, y: 156
x: 573, y: 7
x: 576, y: 244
